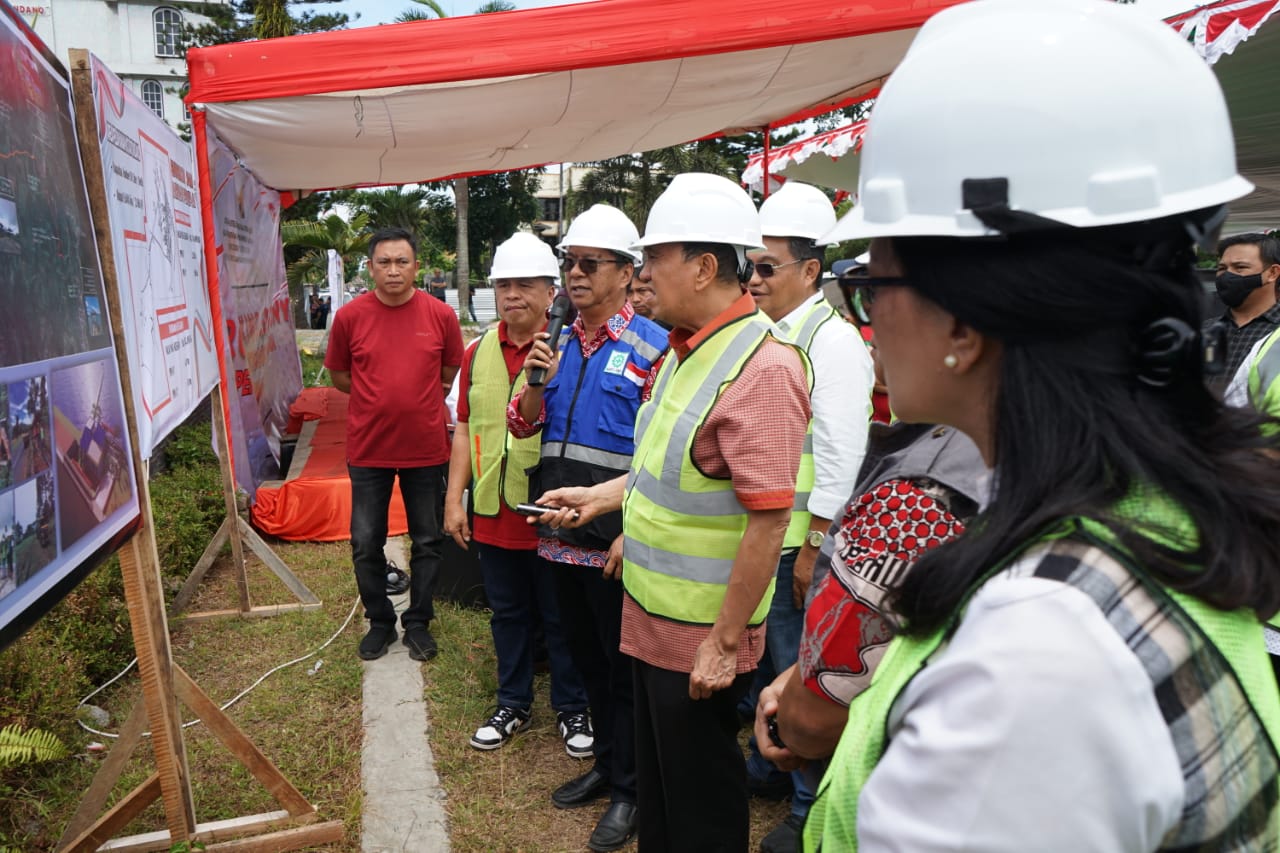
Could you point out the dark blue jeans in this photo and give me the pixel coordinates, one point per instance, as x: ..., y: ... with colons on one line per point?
x: 423, y: 492
x: 782, y: 649
x: 521, y: 589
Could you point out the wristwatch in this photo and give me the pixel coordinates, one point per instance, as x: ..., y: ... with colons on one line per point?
x: 814, y: 538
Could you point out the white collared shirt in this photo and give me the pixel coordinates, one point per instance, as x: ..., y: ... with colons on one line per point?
x: 843, y: 378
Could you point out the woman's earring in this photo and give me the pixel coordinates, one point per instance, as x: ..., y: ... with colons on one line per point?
x: 950, y: 360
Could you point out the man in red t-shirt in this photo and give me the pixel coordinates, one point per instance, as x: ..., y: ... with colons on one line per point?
x: 395, y: 350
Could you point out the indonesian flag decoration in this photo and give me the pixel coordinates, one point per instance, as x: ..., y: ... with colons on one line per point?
x: 1218, y: 28
x: 833, y: 144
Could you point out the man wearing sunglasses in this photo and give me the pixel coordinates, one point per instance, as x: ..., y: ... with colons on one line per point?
x: 600, y: 371
x: 786, y: 287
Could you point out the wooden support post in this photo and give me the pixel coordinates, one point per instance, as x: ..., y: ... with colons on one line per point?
x: 273, y: 561
x: 118, y: 818
x: 216, y: 720
x: 108, y: 774
x: 223, y: 445
x: 192, y: 583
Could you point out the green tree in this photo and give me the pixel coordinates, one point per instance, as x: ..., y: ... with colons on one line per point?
x: 349, y: 239
x: 242, y: 20
x: 396, y: 207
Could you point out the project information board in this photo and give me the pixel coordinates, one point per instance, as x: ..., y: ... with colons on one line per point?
x: 66, y: 463
x: 154, y: 217
x: 263, y: 367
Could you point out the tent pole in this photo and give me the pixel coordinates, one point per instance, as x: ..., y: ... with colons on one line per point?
x: 767, y: 151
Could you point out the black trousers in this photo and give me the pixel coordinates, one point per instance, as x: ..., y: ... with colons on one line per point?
x: 591, y: 619
x: 423, y: 493
x: 692, y: 775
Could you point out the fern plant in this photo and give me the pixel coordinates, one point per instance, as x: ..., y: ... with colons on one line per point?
x: 28, y: 746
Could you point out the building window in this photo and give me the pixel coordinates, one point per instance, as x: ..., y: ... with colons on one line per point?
x: 550, y: 209
x: 168, y: 24
x: 153, y: 96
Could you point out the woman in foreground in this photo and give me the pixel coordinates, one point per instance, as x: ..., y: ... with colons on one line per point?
x: 1085, y: 669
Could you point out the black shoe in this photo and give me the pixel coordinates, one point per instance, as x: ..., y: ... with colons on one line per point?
x: 375, y: 643
x: 422, y: 646
x: 776, y: 789
x: 615, y: 828
x: 785, y: 837
x: 580, y: 791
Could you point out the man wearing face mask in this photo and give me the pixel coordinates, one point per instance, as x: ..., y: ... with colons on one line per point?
x: 1248, y: 269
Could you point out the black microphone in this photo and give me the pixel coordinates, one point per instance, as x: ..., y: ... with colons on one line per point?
x: 560, y: 310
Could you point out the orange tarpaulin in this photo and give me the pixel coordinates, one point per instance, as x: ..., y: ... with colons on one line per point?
x: 315, y: 505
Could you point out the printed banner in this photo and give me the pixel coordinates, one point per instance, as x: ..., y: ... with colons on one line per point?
x: 154, y: 212
x: 264, y: 370
x: 66, y: 466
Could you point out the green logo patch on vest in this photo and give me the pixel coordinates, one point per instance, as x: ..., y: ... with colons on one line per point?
x: 617, y: 363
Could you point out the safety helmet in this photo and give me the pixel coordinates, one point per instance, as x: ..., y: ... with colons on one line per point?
x: 601, y: 226
x: 1009, y: 116
x: 523, y: 255
x: 797, y: 210
x: 702, y: 208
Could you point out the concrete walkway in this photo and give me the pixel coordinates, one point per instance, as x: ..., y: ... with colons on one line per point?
x: 403, y: 800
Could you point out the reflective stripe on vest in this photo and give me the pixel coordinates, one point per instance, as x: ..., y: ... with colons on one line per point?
x: 832, y: 821
x: 498, y: 459
x: 805, y: 331
x: 669, y: 503
x: 590, y: 455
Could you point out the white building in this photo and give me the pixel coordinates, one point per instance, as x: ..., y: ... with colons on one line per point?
x: 553, y: 185
x: 140, y: 41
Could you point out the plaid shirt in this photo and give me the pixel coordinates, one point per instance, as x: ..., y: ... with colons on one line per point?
x: 1242, y: 339
x: 1229, y: 768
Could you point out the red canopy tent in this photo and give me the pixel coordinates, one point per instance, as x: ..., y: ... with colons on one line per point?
x: 410, y: 102
x: 430, y: 99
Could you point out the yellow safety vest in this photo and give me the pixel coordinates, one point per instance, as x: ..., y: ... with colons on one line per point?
x: 832, y: 821
x: 682, y: 528
x: 499, y: 461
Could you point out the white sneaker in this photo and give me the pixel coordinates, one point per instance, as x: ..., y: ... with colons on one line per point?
x: 575, y: 731
x: 500, y: 727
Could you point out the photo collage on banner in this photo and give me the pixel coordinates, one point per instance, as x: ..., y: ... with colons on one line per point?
x: 66, y: 468
x: 263, y: 367
x: 154, y: 213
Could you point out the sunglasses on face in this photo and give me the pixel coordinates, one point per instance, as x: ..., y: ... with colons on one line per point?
x: 587, y: 265
x: 860, y: 293
x: 766, y: 270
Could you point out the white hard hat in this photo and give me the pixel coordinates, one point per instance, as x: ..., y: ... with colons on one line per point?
x: 603, y: 227
x: 797, y: 210
x: 702, y: 208
x: 523, y: 255
x: 1066, y: 112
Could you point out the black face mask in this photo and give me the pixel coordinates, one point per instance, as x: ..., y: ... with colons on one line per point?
x: 1234, y: 289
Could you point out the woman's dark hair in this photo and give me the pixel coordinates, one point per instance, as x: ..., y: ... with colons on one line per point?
x: 1085, y: 412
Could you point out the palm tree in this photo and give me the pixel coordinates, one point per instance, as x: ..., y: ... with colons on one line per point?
x: 393, y: 208
x: 348, y: 239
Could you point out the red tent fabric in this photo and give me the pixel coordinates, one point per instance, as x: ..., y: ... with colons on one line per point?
x: 430, y: 99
